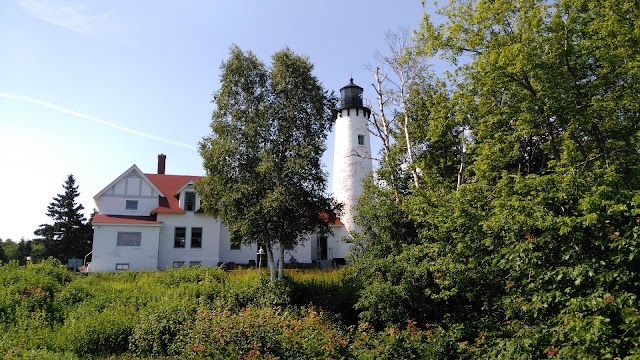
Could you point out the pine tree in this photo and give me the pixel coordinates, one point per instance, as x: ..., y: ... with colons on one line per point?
x: 24, y: 250
x: 71, y: 235
x: 3, y: 256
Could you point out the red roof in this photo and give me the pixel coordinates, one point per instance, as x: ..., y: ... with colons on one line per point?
x: 325, y: 217
x: 119, y: 219
x: 169, y: 186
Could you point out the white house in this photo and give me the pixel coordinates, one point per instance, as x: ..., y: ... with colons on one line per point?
x: 151, y: 221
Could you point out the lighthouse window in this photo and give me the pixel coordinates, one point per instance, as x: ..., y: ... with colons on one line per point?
x: 360, y: 139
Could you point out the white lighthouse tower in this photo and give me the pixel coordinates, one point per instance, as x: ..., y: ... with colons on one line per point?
x: 352, y: 152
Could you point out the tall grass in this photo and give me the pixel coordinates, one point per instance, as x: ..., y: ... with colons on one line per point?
x: 47, y: 312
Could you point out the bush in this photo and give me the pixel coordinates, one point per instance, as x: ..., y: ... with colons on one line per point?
x: 406, y: 343
x: 158, y: 325
x: 262, y: 333
x: 255, y: 289
x: 102, y: 333
x: 332, y: 291
x: 30, y: 290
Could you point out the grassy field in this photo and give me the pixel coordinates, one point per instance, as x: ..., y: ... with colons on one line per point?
x: 46, y: 312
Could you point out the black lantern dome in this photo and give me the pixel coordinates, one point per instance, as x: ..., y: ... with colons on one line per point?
x: 351, y: 98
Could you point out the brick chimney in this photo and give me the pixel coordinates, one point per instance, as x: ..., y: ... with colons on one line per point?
x: 162, y: 160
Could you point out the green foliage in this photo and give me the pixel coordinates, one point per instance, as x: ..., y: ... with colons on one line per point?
x: 332, y: 292
x: 408, y: 342
x: 98, y: 333
x: 262, y: 333
x: 29, y: 290
x: 262, y: 159
x: 47, y: 312
x: 3, y: 255
x: 255, y: 290
x: 27, y: 305
x: 158, y: 325
x: 10, y: 249
x: 535, y: 252
x: 71, y: 235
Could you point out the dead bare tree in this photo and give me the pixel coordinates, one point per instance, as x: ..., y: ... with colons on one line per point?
x: 405, y: 67
x: 382, y: 126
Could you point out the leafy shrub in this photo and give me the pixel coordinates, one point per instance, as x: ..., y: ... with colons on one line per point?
x: 158, y: 325
x: 255, y: 289
x: 102, y: 333
x: 31, y: 332
x: 406, y: 343
x: 30, y: 289
x: 262, y: 332
x: 53, y: 269
x: 332, y: 291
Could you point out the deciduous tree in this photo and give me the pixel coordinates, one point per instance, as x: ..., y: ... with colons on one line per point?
x: 536, y: 252
x: 262, y: 160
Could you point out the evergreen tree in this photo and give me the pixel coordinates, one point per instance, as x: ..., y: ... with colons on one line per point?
x: 264, y: 177
x: 3, y: 255
x: 10, y: 249
x: 24, y: 250
x: 70, y: 235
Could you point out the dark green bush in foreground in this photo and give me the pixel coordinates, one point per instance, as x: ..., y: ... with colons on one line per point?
x: 158, y: 326
x: 102, y: 333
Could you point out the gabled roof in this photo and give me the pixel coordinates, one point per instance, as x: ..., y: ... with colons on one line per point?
x: 170, y: 185
x: 135, y: 169
x: 185, y: 186
x: 124, y: 220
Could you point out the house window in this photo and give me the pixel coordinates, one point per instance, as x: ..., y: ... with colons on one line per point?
x: 122, y: 267
x: 196, y: 238
x: 195, y: 263
x: 131, y: 205
x: 178, y: 264
x: 190, y: 201
x: 360, y: 139
x: 179, y: 238
x: 129, y: 239
x: 235, y: 245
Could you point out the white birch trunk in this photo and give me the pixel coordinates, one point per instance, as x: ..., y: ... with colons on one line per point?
x: 281, y: 262
x: 270, y: 261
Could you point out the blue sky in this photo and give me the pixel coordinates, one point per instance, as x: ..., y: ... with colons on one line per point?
x: 92, y: 87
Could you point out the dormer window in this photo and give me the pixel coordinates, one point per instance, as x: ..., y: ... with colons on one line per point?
x: 190, y: 201
x: 131, y: 205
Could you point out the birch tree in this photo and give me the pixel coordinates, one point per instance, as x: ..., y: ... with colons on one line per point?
x: 262, y: 160
x: 400, y: 68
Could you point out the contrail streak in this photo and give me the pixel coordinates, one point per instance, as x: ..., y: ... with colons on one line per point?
x: 91, y: 118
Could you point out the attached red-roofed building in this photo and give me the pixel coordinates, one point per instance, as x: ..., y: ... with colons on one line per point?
x: 153, y: 221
